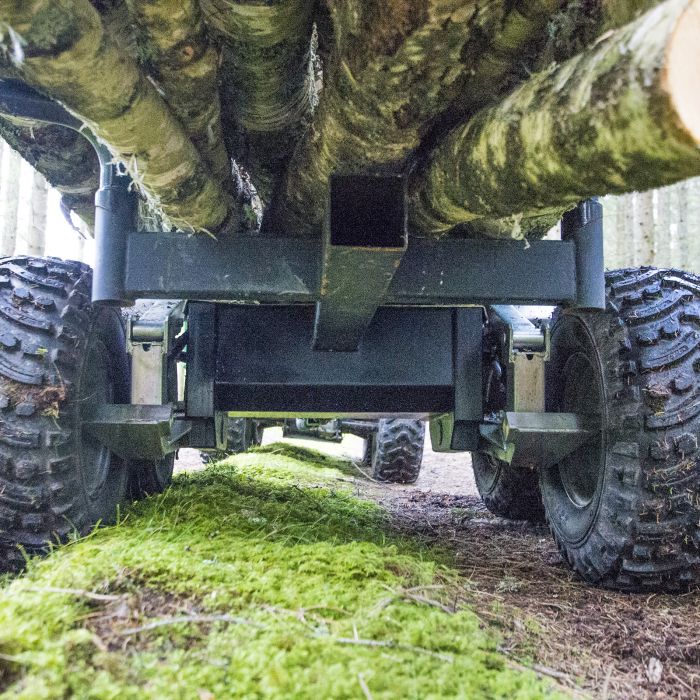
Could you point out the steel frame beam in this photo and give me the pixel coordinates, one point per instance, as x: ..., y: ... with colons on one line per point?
x: 287, y: 270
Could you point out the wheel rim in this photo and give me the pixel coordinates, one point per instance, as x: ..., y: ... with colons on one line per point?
x: 97, y: 464
x: 487, y: 471
x: 580, y: 473
x: 571, y: 489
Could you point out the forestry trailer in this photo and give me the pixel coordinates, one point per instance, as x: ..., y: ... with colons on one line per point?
x: 590, y: 421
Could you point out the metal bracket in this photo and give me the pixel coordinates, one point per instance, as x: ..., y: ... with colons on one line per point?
x: 364, y: 242
x: 137, y: 432
x: 527, y: 349
x: 151, y: 333
x: 540, y: 439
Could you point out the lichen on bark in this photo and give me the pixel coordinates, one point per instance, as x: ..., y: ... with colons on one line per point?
x: 604, y: 122
x: 398, y: 69
x: 61, y: 47
x: 174, y: 49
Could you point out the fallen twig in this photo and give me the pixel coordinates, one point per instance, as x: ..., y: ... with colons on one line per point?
x: 364, y: 686
x: 190, y: 619
x: 390, y: 644
x: 79, y: 593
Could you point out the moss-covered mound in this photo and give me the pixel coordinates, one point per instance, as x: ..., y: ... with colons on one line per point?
x: 260, y: 577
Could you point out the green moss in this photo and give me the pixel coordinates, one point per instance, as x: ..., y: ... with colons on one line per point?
x: 279, y: 544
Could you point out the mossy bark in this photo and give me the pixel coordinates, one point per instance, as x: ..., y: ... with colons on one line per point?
x: 63, y: 157
x: 174, y: 48
x: 604, y: 122
x: 61, y: 47
x: 398, y: 70
x: 265, y: 80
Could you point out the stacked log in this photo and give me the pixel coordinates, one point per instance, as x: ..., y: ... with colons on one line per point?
x: 503, y: 113
x: 265, y: 80
x: 63, y: 49
x: 174, y: 49
x: 626, y: 109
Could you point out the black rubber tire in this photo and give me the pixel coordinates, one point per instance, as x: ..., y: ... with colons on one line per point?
x: 256, y: 433
x: 506, y: 490
x: 150, y: 477
x: 59, y: 357
x: 395, y: 451
x: 624, y: 509
x: 241, y: 437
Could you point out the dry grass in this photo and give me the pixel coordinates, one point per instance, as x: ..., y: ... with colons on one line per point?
x: 606, y: 644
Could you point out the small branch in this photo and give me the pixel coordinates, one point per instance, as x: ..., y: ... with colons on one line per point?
x: 78, y: 593
x: 12, y: 659
x: 389, y: 644
x: 190, y: 619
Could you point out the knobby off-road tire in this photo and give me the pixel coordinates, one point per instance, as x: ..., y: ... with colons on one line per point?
x: 506, y: 490
x: 59, y: 358
x: 150, y: 477
x: 625, y: 508
x: 242, y: 434
x: 395, y: 451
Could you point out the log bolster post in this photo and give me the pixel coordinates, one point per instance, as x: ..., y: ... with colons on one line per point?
x: 115, y: 203
x: 115, y: 217
x: 364, y: 242
x: 584, y: 226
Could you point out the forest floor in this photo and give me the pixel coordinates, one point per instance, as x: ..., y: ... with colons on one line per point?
x: 287, y: 573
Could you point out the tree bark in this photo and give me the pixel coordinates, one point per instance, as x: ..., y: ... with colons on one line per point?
x: 621, y: 116
x: 174, y: 49
x: 692, y: 261
x: 63, y: 157
x: 9, y: 201
x: 644, y: 228
x: 266, y: 81
x: 663, y: 227
x: 35, y: 230
x: 397, y: 69
x: 63, y: 49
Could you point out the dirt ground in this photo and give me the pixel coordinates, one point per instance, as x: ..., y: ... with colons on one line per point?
x: 595, y: 643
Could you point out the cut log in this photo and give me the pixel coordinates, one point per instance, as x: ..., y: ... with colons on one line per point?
x: 265, y: 80
x: 63, y: 49
x: 173, y: 46
x: 624, y: 115
x: 64, y: 158
x: 397, y: 69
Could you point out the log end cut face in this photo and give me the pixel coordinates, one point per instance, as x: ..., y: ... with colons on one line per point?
x: 681, y: 79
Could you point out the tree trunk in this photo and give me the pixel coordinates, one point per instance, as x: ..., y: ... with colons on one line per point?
x: 623, y: 245
x: 266, y: 80
x: 610, y: 213
x: 618, y: 117
x: 9, y: 201
x: 78, y: 64
x: 681, y: 242
x: 397, y: 68
x: 663, y: 227
x: 35, y: 231
x: 692, y: 189
x: 644, y: 239
x: 173, y: 43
